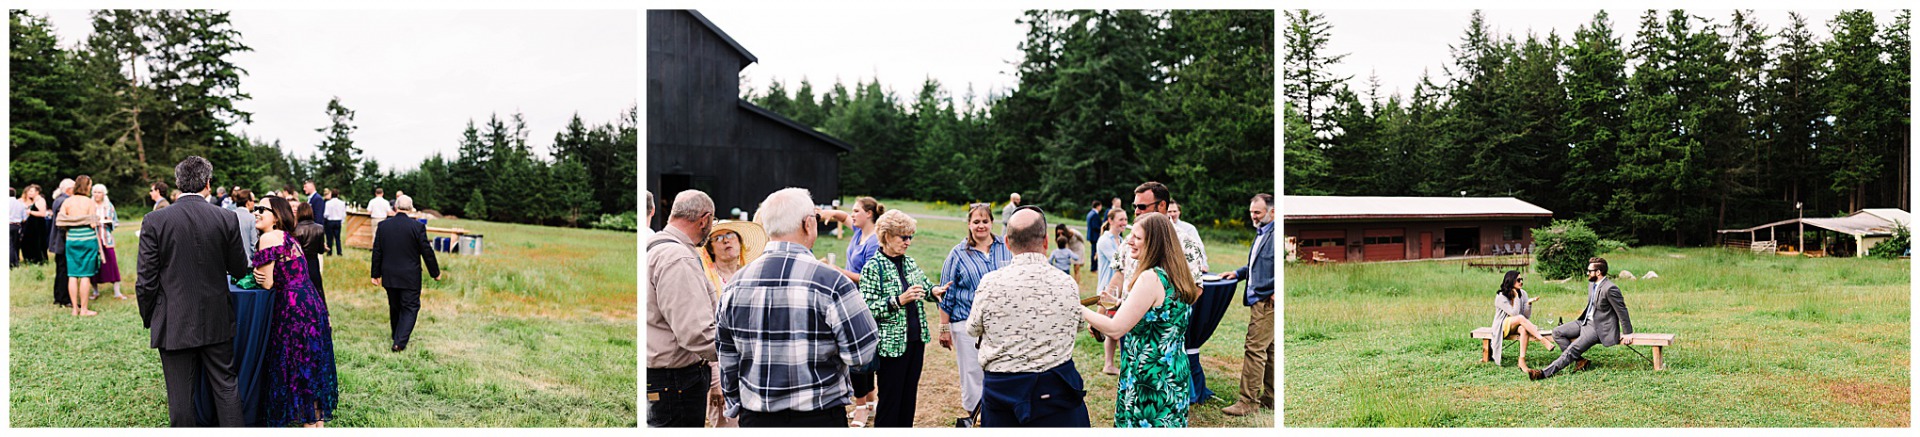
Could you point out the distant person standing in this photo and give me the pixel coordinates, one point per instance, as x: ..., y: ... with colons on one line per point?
x: 110, y: 267
x: 159, y: 193
x: 16, y: 216
x: 313, y: 242
x: 57, y: 243
x: 398, y: 250
x: 378, y: 208
x: 33, y: 231
x: 1013, y: 202
x: 1188, y: 235
x: 646, y: 226
x: 313, y: 197
x: 336, y: 213
x: 1095, y: 217
x: 219, y: 197
x: 249, y: 237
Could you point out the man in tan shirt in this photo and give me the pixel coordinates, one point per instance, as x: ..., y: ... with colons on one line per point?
x: 680, y: 306
x: 1026, y: 315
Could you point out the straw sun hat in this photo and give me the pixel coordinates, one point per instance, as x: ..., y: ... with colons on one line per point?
x: 752, y: 238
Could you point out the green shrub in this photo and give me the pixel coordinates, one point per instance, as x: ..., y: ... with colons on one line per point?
x: 1892, y: 247
x: 1612, y: 245
x: 626, y: 221
x: 1564, y: 247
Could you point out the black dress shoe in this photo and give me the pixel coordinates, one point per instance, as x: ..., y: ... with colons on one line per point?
x: 397, y: 348
x: 1536, y: 374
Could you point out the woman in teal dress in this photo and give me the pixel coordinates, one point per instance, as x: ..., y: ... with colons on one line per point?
x: 1154, y: 381
x: 81, y: 218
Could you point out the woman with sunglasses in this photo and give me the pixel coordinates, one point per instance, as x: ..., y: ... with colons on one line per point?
x: 730, y: 246
x: 1511, y: 309
x: 895, y: 289
x: 302, y: 386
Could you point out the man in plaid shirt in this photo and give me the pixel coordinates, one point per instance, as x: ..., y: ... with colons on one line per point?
x: 789, y: 327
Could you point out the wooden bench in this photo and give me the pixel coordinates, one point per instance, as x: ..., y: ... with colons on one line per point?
x: 1496, y: 265
x: 1655, y: 341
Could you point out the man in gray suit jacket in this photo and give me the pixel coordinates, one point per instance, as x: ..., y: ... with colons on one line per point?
x: 1603, y: 321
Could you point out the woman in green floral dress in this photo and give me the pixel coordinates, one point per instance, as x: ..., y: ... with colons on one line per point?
x: 1154, y: 378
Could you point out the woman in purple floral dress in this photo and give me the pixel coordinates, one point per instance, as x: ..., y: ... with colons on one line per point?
x: 301, y: 384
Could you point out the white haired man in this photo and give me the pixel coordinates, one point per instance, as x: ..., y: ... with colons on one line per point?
x: 797, y: 363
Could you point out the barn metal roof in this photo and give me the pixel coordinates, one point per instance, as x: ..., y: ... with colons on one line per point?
x: 749, y: 57
x: 795, y: 125
x: 1866, y: 222
x: 1364, y: 207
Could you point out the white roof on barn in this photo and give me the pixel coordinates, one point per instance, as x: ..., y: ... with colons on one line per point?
x: 1866, y: 222
x: 1365, y: 207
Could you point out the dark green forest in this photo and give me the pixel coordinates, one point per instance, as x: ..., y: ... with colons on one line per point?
x: 1106, y: 99
x: 148, y: 88
x: 1701, y: 123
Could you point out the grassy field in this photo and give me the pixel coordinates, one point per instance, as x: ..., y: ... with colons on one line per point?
x: 939, y: 389
x: 538, y: 332
x: 1764, y: 341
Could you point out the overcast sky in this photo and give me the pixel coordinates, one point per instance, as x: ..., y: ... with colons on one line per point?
x: 901, y: 48
x: 1398, y: 44
x: 414, y: 78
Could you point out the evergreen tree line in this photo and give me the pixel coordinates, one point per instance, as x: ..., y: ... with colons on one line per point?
x: 1106, y: 100
x: 148, y: 88
x: 1700, y: 124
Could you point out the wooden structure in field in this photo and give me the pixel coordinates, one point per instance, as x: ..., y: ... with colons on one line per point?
x: 1853, y: 235
x: 1351, y: 228
x: 357, y: 231
x: 702, y: 135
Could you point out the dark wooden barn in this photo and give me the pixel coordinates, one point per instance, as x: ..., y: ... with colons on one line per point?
x: 1340, y: 228
x: 702, y: 135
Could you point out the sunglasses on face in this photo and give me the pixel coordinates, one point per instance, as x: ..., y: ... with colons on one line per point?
x: 1144, y: 206
x: 907, y: 238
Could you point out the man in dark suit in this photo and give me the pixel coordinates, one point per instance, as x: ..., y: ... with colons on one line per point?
x: 399, y: 245
x: 314, y: 198
x: 187, y: 253
x: 1603, y: 321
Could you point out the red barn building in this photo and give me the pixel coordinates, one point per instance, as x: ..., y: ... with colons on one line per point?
x: 1345, y: 228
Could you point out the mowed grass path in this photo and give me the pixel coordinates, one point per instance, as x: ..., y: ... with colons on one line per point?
x: 1764, y: 341
x: 537, y: 332
x: 939, y: 382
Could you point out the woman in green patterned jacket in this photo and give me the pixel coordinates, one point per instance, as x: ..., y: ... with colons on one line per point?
x: 894, y: 288
x: 1155, y: 383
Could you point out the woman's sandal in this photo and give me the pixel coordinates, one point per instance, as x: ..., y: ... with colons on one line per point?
x: 858, y: 418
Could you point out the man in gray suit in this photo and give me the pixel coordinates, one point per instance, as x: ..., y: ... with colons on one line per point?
x: 1603, y: 321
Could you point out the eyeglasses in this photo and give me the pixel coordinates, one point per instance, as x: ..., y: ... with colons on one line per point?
x: 724, y: 237
x: 907, y: 238
x: 1144, y: 206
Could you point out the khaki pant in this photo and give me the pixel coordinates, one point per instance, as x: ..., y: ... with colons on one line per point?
x: 1256, y: 369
